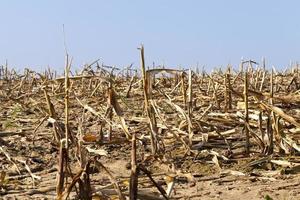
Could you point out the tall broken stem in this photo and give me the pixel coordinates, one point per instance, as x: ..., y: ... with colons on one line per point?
x: 190, y: 106
x: 134, y: 173
x: 150, y: 114
x: 67, y: 83
x: 246, y: 113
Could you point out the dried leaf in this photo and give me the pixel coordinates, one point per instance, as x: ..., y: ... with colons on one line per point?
x: 284, y: 163
x: 100, y: 152
x: 282, y: 114
x: 90, y: 137
x: 216, y: 161
x: 233, y: 172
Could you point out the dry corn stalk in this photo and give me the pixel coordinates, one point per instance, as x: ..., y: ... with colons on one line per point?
x: 149, y: 109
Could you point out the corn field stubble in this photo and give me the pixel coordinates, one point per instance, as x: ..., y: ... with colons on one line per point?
x: 108, y: 133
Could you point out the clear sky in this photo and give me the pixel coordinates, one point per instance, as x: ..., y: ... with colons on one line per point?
x: 174, y: 33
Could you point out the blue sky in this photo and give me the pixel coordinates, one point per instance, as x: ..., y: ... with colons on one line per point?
x: 175, y: 33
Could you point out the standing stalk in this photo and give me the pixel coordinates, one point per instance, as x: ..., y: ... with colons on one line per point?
x: 110, y: 108
x: 63, y: 152
x: 60, y: 173
x: 246, y: 113
x: 67, y: 83
x: 134, y: 172
x: 228, y: 96
x: 190, y: 106
x: 150, y: 114
x: 271, y: 135
x: 183, y: 90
